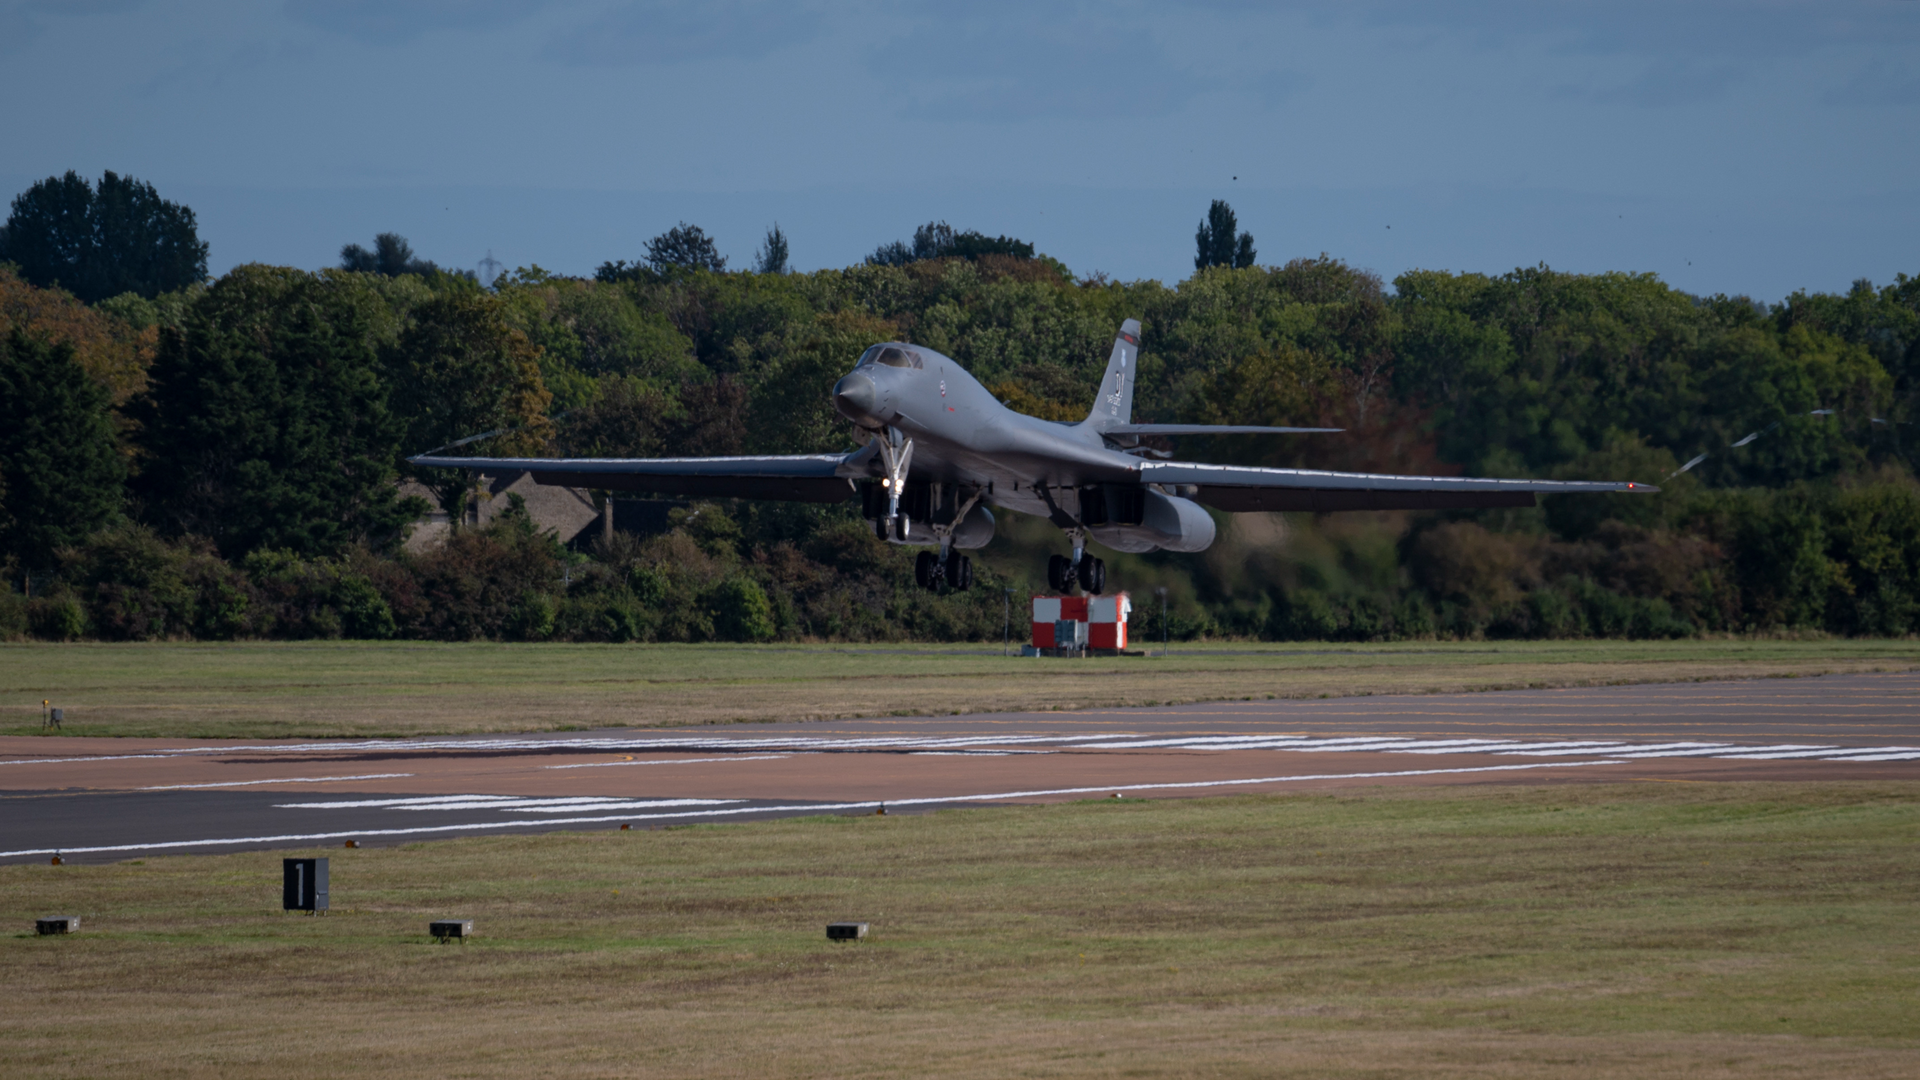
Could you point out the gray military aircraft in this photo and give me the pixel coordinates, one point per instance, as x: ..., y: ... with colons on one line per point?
x: 939, y: 450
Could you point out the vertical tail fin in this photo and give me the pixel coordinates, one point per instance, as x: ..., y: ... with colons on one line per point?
x: 1115, y: 403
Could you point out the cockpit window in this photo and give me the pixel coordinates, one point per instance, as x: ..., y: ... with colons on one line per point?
x: 892, y: 356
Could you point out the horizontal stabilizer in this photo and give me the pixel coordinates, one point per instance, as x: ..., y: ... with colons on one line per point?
x: 1211, y: 429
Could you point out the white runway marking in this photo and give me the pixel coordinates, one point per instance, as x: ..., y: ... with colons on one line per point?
x: 792, y: 808
x: 975, y: 753
x: 674, y: 761
x: 753, y: 749
x: 102, y: 757
x: 566, y: 804
x: 287, y: 780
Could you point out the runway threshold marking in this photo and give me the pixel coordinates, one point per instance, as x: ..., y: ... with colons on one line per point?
x: 789, y: 808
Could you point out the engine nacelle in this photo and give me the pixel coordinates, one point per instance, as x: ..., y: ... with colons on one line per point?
x: 1168, y: 522
x: 975, y: 530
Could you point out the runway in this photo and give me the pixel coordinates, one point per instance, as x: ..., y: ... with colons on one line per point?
x: 103, y: 800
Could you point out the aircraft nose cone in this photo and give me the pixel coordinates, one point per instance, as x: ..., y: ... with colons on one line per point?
x: 857, y: 398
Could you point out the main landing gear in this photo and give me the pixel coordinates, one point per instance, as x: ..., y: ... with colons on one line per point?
x: 1088, y: 572
x: 956, y: 570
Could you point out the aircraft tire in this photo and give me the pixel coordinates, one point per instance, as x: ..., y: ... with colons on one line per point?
x: 900, y: 525
x: 882, y: 527
x: 1059, y: 571
x: 1092, y: 573
x: 924, y: 570
x: 959, y: 570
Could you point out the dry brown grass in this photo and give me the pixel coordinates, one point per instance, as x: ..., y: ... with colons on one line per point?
x: 1621, y: 930
x: 259, y: 690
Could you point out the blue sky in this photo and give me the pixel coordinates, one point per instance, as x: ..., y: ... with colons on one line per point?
x: 1756, y: 147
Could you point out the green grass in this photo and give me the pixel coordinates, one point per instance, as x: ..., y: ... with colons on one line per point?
x: 259, y: 689
x: 1572, y: 931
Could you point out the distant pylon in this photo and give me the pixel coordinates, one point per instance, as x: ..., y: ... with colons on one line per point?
x: 489, y: 268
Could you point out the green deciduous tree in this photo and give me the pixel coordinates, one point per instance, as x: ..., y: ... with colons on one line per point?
x: 685, y: 246
x: 60, y: 471
x: 267, y: 422
x: 939, y: 240
x: 99, y: 242
x: 460, y: 370
x: 391, y: 256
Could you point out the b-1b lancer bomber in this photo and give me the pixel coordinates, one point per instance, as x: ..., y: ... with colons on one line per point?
x: 939, y: 450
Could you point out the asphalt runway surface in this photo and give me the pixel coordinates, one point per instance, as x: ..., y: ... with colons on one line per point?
x: 101, y: 800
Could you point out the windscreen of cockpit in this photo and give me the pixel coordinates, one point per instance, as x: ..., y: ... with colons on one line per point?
x: 892, y: 356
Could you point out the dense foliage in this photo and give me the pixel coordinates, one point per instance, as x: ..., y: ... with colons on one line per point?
x: 264, y: 421
x: 121, y: 237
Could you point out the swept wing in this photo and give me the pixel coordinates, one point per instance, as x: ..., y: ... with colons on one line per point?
x: 790, y: 478
x: 1240, y: 488
x: 1210, y: 429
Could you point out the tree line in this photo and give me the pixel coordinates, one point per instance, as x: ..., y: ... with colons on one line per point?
x: 219, y: 459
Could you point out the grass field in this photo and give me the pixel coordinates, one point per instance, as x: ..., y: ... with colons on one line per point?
x: 255, y: 690
x: 1623, y: 930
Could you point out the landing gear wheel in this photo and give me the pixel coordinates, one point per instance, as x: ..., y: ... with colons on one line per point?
x: 926, y: 570
x: 1092, y: 573
x: 900, y: 527
x: 959, y: 571
x: 1059, y: 573
x: 882, y: 528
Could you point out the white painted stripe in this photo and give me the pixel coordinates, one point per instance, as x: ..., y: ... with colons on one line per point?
x: 477, y: 802
x: 596, y: 808
x: 676, y: 761
x: 65, y: 760
x: 1628, y: 748
x: 408, y: 801
x: 554, y: 806
x: 1401, y: 745
x: 287, y: 780
x: 1803, y: 755
x: 1908, y: 755
x: 1192, y: 741
x: 1717, y: 751
x: 1527, y: 747
x: 798, y: 807
x: 975, y: 753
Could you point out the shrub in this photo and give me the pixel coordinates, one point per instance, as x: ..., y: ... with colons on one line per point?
x: 740, y: 610
x: 56, y: 618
